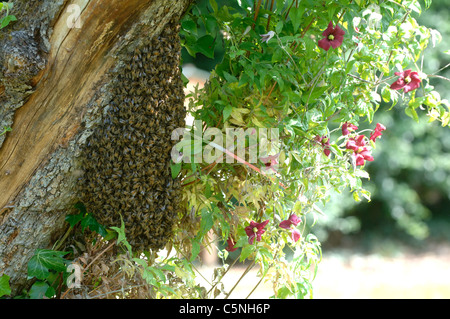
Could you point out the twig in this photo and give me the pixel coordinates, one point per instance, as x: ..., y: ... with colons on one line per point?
x: 439, y: 77
x: 441, y: 69
x: 255, y: 17
x: 254, y: 288
x: 249, y: 267
x: 268, y: 20
x: 223, y: 275
x: 98, y: 256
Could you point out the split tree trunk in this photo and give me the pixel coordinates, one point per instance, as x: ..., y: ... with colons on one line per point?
x: 54, y: 82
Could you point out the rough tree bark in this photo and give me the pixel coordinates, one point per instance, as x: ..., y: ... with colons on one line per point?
x: 55, y: 83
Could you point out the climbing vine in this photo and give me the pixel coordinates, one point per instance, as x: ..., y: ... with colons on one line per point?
x: 310, y: 71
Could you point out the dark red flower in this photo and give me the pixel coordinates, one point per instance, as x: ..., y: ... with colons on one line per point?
x: 333, y: 37
x: 360, y: 151
x: 377, y: 132
x: 347, y: 128
x: 407, y: 80
x: 255, y: 230
x: 325, y: 141
x: 231, y: 244
x: 292, y: 220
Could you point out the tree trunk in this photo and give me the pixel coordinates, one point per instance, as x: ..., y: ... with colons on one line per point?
x: 76, y: 78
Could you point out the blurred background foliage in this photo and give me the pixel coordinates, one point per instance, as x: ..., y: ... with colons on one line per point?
x: 410, y: 177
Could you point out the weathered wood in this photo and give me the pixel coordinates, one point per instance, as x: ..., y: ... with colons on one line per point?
x: 54, y: 99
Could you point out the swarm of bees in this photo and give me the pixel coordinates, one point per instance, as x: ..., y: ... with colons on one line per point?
x: 127, y: 158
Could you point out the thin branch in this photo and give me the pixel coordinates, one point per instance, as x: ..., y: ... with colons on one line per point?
x: 268, y: 20
x: 439, y: 77
x: 441, y: 69
x: 249, y: 267
x: 232, y: 264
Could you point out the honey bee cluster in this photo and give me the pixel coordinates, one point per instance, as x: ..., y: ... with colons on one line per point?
x: 127, y: 158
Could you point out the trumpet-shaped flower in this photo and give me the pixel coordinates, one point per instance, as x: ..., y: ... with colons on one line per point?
x: 377, y: 132
x: 347, y: 128
x: 360, y: 151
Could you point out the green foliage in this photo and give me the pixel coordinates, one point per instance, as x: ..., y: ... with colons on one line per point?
x: 5, y: 129
x: 7, y: 18
x: 274, y: 75
x: 50, y: 267
x: 45, y: 260
x: 86, y: 220
x: 5, y: 289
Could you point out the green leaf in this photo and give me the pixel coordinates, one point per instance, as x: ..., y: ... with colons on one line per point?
x: 246, y: 251
x: 195, y: 249
x: 227, y: 112
x: 80, y: 206
x: 5, y: 289
x: 38, y: 290
x: 45, y: 260
x: 205, y: 45
x: 296, y: 16
x: 90, y: 222
x: 6, y: 20
x: 206, y: 222
x: 283, y: 292
x: 74, y: 219
x: 189, y: 26
x: 159, y: 274
x: 279, y: 27
x: 121, y: 238
x: 411, y: 112
x: 214, y: 5
x: 386, y: 94
x: 175, y: 169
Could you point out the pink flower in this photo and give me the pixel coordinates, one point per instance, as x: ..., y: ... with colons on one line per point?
x: 292, y: 220
x: 360, y: 151
x: 362, y: 156
x: 255, y: 230
x: 286, y: 224
x: 347, y: 128
x: 377, y: 132
x: 333, y: 37
x: 356, y: 144
x: 325, y: 141
x: 231, y: 244
x: 407, y: 80
x: 295, y: 234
